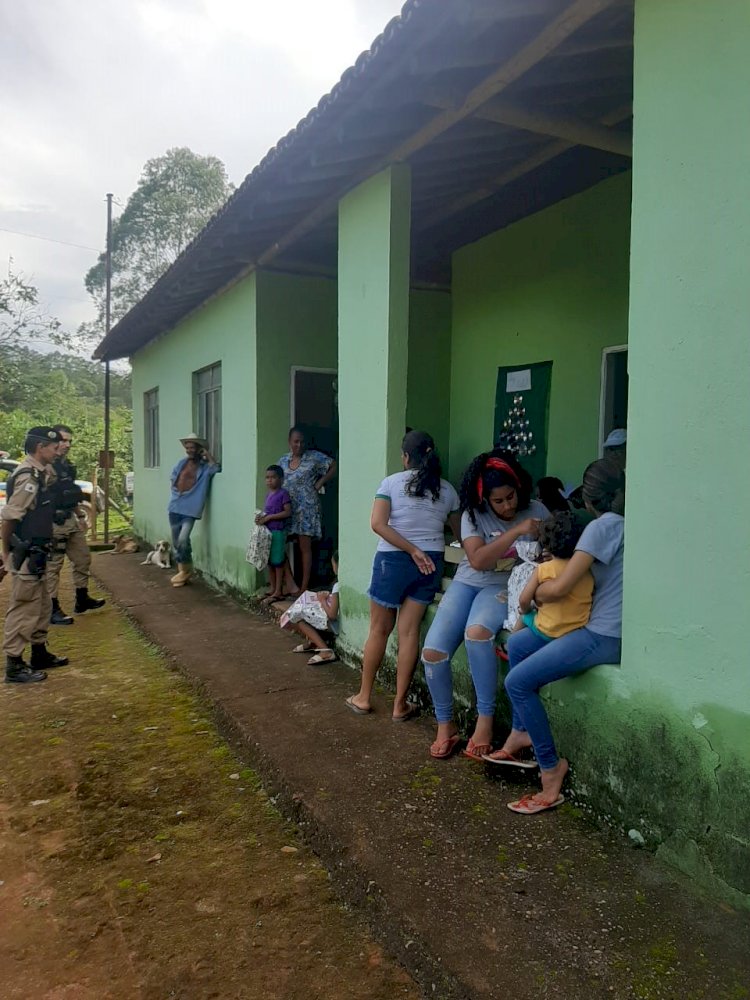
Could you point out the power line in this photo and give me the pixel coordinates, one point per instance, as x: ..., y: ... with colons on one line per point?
x: 49, y: 239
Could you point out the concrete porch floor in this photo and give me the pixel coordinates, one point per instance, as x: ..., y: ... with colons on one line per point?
x: 475, y: 901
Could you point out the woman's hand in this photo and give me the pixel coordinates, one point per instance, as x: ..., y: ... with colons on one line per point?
x: 323, y: 596
x: 260, y: 519
x: 424, y: 563
x: 530, y: 526
x: 318, y: 485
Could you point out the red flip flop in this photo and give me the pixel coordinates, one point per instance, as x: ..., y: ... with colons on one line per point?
x: 531, y: 804
x: 503, y: 757
x: 476, y: 751
x: 444, y: 748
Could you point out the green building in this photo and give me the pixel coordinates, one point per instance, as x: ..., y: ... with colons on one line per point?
x: 533, y: 193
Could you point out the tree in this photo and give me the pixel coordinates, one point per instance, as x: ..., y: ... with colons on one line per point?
x: 176, y: 196
x: 21, y: 317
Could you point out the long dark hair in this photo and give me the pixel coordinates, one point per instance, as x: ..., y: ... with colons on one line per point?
x: 481, y: 478
x: 604, y: 487
x: 424, y: 463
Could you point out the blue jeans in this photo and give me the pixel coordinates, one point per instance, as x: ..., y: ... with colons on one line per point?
x: 461, y: 607
x: 181, y: 527
x: 535, y: 662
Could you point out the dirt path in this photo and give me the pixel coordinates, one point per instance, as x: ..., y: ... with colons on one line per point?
x: 139, y: 859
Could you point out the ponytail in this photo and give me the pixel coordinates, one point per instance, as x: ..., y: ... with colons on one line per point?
x: 604, y: 487
x: 419, y: 448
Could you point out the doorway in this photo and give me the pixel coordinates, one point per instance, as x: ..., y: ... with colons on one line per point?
x: 314, y: 409
x: 613, y: 406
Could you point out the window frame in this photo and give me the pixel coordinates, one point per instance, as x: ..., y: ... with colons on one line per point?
x: 207, y: 416
x: 151, y: 443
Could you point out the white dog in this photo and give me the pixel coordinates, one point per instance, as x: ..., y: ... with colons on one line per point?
x: 159, y: 557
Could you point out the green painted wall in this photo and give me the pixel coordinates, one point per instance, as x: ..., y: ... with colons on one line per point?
x: 224, y: 330
x: 429, y: 367
x: 297, y: 325
x: 687, y: 570
x: 373, y: 287
x: 554, y: 286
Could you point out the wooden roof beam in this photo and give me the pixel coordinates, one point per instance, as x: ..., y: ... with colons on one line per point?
x: 554, y: 33
x: 548, y: 152
x: 577, y: 131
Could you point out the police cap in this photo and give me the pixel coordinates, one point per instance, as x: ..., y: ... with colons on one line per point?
x: 41, y: 435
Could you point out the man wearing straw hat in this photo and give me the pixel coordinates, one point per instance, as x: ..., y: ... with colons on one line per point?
x: 190, y: 480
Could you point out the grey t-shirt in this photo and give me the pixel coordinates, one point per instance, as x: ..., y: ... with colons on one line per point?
x: 604, y: 539
x: 420, y: 520
x: 489, y: 525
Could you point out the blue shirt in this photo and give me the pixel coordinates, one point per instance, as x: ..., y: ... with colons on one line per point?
x: 604, y: 539
x: 192, y: 501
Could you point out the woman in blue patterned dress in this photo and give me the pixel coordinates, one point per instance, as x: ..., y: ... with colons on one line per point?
x: 305, y: 474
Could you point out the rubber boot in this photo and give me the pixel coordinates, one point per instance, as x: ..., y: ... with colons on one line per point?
x: 183, y: 575
x: 18, y: 672
x: 86, y: 603
x: 58, y: 616
x: 43, y: 659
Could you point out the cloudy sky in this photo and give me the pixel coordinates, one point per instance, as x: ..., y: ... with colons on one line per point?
x: 91, y: 89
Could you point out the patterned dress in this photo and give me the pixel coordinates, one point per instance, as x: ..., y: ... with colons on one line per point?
x: 300, y: 485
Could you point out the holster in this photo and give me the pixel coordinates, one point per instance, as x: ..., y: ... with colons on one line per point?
x: 32, y: 553
x: 19, y: 551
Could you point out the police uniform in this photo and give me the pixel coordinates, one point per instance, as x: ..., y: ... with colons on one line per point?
x: 69, y: 538
x: 30, y: 503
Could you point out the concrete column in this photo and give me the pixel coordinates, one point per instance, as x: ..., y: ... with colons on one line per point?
x: 373, y: 293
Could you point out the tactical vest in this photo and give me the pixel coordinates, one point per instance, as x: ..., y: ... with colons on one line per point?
x: 67, y: 494
x: 36, y: 525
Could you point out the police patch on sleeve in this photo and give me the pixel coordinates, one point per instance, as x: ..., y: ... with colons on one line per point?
x: 30, y: 488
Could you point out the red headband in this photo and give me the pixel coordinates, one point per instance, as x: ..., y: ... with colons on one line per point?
x: 496, y: 463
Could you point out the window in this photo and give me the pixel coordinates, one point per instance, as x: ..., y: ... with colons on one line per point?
x: 151, y: 428
x: 613, y: 406
x: 207, y: 407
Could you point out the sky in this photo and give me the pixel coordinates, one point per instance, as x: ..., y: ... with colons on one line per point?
x: 91, y: 89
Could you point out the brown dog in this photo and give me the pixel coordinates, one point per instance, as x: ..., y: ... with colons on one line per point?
x: 125, y: 543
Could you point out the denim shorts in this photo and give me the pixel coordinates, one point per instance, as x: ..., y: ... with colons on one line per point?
x: 395, y: 577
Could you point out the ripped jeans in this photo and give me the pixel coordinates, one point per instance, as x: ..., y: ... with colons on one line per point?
x: 461, y: 607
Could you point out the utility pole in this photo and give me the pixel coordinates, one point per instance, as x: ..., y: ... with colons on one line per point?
x: 107, y: 324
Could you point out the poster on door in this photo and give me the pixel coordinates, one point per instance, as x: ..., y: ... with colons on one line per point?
x: 522, y: 414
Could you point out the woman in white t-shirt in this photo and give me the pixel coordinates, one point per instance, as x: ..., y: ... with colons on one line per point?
x: 409, y: 514
x: 497, y: 511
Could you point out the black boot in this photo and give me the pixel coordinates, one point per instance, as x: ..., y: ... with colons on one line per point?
x: 41, y: 658
x: 18, y: 672
x: 86, y: 603
x: 58, y: 616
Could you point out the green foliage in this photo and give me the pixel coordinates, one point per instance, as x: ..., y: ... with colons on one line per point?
x: 21, y: 318
x: 176, y: 196
x: 58, y: 388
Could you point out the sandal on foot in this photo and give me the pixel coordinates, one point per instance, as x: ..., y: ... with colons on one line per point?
x: 411, y: 711
x: 531, y: 804
x: 319, y: 658
x: 355, y: 708
x: 441, y: 749
x: 476, y: 751
x: 503, y: 757
x: 306, y: 647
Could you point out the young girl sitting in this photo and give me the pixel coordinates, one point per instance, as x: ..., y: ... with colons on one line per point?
x: 558, y: 536
x: 315, y: 611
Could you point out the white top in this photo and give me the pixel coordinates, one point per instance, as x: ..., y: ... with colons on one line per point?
x: 420, y: 520
x: 488, y: 527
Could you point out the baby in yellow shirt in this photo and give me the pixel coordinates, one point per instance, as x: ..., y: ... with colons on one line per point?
x: 559, y: 535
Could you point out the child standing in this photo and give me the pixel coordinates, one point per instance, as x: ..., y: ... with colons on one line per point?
x: 558, y: 536
x: 277, y: 509
x: 314, y: 611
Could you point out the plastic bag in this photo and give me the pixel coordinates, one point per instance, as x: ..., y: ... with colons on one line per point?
x: 259, y: 546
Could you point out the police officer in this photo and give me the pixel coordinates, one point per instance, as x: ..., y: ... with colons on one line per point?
x: 69, y: 535
x: 26, y: 534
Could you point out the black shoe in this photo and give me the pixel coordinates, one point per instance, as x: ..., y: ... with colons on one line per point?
x: 18, y: 672
x: 86, y: 603
x: 42, y: 658
x: 58, y: 616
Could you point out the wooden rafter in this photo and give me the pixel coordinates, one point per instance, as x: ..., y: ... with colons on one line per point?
x: 578, y: 131
x: 548, y: 152
x: 554, y: 33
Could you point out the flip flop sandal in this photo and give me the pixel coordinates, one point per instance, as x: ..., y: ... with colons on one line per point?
x: 529, y: 805
x: 355, y: 708
x: 307, y: 647
x: 476, y: 751
x: 503, y: 757
x: 318, y: 660
x: 411, y: 712
x: 444, y: 748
